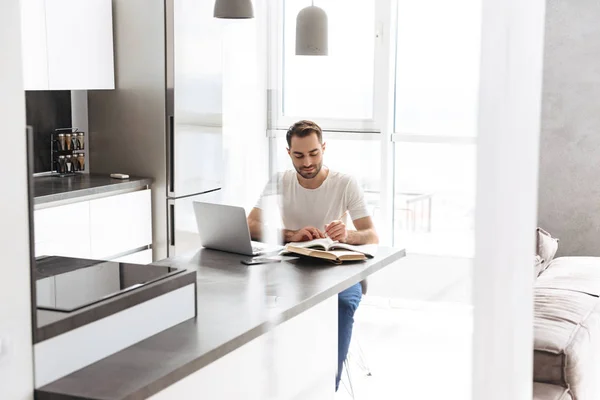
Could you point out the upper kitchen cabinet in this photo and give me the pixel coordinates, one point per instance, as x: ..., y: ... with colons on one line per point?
x: 67, y: 44
x: 33, y: 39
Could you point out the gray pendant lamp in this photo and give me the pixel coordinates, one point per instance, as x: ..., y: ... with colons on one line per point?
x: 311, y: 32
x: 233, y: 9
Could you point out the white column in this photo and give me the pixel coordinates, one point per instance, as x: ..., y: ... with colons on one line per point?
x: 16, y: 370
x: 386, y: 13
x: 509, y: 124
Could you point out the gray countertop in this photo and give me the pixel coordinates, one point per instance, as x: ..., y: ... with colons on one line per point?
x: 49, y: 189
x: 236, y: 304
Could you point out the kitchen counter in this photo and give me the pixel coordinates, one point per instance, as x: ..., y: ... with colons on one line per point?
x: 54, y: 323
x: 236, y: 304
x: 50, y: 189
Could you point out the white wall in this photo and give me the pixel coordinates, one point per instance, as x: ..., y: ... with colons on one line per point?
x: 16, y: 370
x: 509, y: 125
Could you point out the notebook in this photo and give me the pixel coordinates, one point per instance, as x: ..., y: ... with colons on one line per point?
x: 329, y: 250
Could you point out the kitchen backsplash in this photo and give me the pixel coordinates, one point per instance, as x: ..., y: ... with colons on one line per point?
x: 46, y: 111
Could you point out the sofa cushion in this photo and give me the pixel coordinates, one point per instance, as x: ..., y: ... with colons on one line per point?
x: 567, y: 326
x: 580, y: 274
x: 565, y: 323
x: 544, y: 391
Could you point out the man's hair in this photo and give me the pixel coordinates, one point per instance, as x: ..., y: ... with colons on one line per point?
x: 302, y: 129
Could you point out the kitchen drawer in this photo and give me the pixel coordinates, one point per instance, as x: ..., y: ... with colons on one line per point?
x: 63, y: 230
x: 140, y: 257
x: 78, y: 249
x: 120, y: 223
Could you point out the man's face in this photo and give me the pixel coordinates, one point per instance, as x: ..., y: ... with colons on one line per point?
x: 307, y: 155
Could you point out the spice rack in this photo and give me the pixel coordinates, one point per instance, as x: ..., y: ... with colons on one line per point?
x: 67, y: 151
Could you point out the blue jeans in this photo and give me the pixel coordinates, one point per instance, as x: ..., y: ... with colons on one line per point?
x: 348, y: 301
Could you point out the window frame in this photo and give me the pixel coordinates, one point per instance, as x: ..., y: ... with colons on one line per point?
x: 277, y: 119
x: 381, y: 127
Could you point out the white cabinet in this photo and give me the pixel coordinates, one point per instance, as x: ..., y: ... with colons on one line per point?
x: 80, y: 44
x: 63, y: 231
x: 98, y: 229
x: 67, y: 44
x: 120, y: 223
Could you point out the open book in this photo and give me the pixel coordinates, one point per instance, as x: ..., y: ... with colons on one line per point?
x: 329, y: 250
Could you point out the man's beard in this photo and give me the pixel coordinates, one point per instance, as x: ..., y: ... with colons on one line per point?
x: 312, y: 174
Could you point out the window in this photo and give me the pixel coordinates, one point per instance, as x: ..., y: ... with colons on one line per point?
x: 434, y: 199
x: 430, y: 192
x: 359, y: 158
x: 339, y: 86
x: 436, y: 94
x: 437, y: 67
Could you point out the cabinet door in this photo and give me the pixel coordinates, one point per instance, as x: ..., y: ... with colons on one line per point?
x: 33, y: 44
x: 80, y: 44
x: 120, y: 223
x: 63, y: 231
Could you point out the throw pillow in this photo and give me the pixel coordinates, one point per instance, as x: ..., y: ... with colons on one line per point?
x: 546, y: 245
x: 538, y: 266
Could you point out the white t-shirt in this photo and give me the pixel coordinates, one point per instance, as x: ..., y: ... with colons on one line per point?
x: 300, y: 207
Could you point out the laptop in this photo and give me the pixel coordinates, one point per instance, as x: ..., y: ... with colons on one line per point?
x: 225, y: 228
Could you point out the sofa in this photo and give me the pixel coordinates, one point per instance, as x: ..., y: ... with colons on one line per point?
x: 566, y: 326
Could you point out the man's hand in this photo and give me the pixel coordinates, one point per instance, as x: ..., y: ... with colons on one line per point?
x: 336, y: 230
x: 305, y: 234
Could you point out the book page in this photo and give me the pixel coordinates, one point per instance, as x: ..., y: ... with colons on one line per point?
x: 315, y: 243
x: 341, y: 253
x: 338, y: 256
x: 366, y: 249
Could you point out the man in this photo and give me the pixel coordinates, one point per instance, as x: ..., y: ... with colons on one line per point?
x: 313, y: 203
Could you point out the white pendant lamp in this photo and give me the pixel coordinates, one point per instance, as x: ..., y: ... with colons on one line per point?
x: 311, y: 32
x: 233, y: 9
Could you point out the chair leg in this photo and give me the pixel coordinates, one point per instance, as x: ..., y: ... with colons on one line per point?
x: 357, y: 355
x: 362, y: 361
x: 346, y: 367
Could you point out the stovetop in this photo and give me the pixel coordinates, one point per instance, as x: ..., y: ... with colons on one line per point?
x: 66, y: 284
